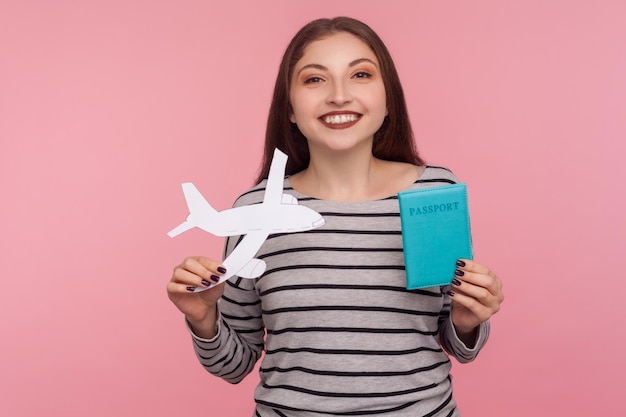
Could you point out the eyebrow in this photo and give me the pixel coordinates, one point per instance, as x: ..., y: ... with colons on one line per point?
x: 351, y: 64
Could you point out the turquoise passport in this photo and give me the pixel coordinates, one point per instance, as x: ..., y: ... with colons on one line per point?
x: 435, y: 233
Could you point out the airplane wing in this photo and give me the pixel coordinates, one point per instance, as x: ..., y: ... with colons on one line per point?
x: 274, y: 188
x: 241, y: 261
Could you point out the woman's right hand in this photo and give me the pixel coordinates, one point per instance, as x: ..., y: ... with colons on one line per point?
x: 200, y: 308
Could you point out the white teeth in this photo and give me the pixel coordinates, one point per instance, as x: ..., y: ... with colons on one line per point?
x: 340, y: 118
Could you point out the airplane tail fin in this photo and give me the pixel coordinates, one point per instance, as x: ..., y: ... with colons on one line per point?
x: 199, y: 209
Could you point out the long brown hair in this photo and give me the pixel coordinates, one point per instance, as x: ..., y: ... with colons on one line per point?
x: 392, y: 142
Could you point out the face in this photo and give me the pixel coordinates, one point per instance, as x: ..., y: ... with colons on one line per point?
x: 337, y: 93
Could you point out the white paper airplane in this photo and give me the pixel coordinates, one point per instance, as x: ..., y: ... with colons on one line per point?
x: 278, y: 213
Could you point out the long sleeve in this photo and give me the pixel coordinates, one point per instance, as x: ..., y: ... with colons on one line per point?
x: 239, y: 342
x: 233, y: 352
x: 450, y: 340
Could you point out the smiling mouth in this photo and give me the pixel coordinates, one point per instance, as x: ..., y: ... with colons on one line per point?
x: 338, y: 119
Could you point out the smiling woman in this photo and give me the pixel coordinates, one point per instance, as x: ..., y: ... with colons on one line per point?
x: 393, y: 141
x: 337, y: 85
x: 106, y: 107
x: 318, y: 308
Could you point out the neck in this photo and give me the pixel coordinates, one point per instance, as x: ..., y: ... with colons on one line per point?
x: 339, y: 176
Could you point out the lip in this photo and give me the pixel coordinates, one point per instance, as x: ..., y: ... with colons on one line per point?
x: 340, y: 125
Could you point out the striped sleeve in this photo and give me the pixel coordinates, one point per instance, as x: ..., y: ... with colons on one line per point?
x: 233, y: 352
x: 448, y: 336
x: 238, y: 345
x: 450, y: 340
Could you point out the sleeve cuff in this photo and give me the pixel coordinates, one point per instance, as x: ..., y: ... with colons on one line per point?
x: 465, y: 353
x: 218, y: 331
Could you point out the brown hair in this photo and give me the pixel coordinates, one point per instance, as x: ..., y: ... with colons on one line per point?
x: 393, y: 141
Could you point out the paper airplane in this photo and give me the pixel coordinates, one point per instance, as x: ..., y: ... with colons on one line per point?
x: 278, y: 213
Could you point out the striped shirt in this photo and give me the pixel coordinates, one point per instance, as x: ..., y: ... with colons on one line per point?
x: 338, y: 331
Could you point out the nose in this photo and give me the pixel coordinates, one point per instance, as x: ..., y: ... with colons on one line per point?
x: 339, y: 93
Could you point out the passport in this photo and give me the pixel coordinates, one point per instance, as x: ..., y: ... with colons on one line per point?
x: 435, y: 233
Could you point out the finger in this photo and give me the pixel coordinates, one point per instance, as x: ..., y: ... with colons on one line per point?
x: 179, y: 288
x: 478, y: 275
x: 488, y: 282
x: 204, y: 269
x: 196, y: 279
x: 479, y: 293
x: 469, y: 265
x: 214, y: 266
x: 481, y: 311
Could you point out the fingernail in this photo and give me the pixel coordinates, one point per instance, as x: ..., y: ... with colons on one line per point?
x: 450, y: 293
x: 215, y: 278
x: 191, y: 289
x: 460, y: 263
x: 459, y: 273
x: 456, y: 282
x: 206, y: 283
x: 221, y: 270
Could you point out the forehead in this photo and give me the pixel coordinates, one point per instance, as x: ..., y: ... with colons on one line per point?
x: 337, y: 47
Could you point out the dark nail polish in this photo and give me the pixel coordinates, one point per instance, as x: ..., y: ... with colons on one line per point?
x: 206, y: 283
x: 221, y: 270
x: 191, y: 289
x: 460, y: 263
x: 215, y: 278
x: 450, y: 293
x: 459, y: 273
x: 456, y: 282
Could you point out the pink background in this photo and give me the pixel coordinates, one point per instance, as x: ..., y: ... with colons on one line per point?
x: 107, y: 106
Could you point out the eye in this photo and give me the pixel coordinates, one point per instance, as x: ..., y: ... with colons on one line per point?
x: 312, y: 80
x: 362, y: 74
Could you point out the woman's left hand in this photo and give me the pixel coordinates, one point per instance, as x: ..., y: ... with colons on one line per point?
x: 476, y: 295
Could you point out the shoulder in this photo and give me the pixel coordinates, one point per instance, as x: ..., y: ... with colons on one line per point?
x: 251, y: 196
x: 395, y: 175
x: 254, y: 195
x: 437, y: 174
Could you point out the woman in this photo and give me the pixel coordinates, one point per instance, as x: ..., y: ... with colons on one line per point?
x: 341, y: 334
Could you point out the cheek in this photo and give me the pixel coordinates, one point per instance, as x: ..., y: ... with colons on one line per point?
x: 379, y: 104
x: 379, y: 109
x: 376, y: 100
x: 299, y: 108
x: 295, y: 113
